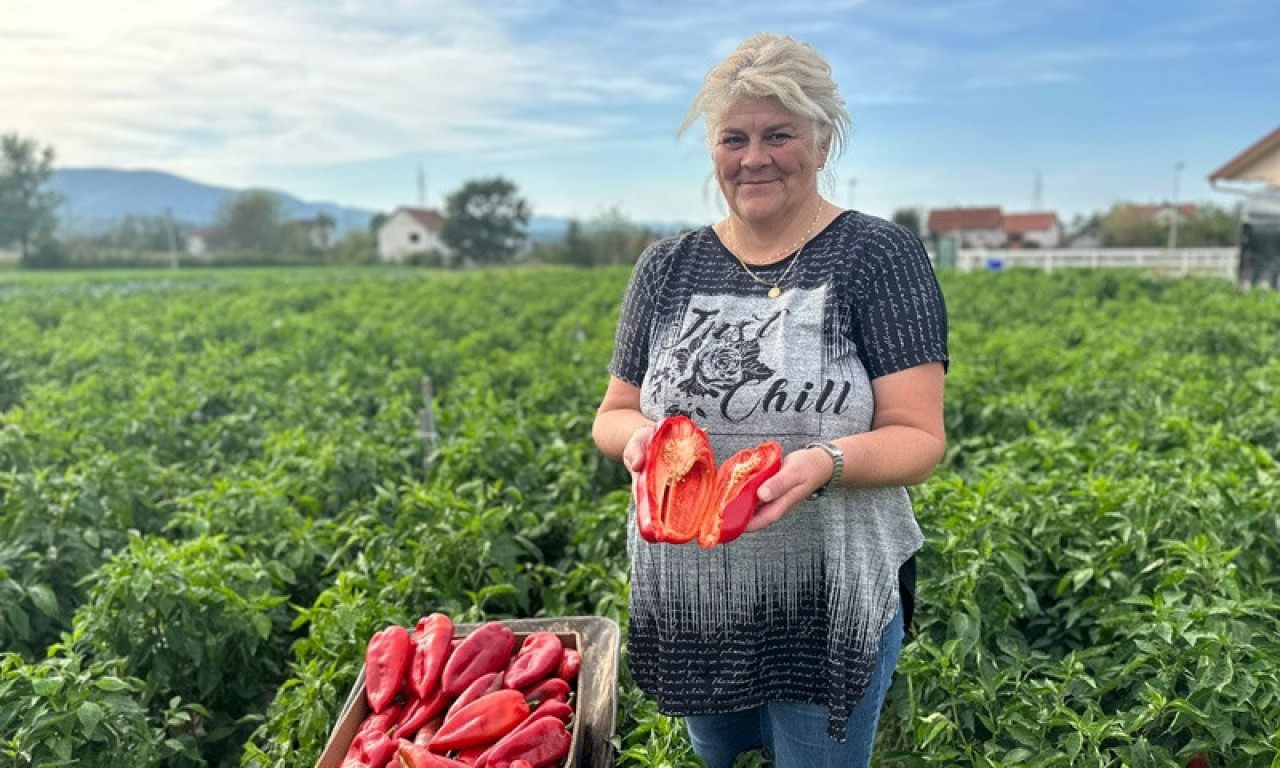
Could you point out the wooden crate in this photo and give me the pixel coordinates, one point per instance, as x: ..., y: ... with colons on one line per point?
x: 595, y: 690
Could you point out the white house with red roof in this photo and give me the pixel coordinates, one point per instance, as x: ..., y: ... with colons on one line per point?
x: 1040, y: 229
x: 408, y: 231
x: 972, y: 227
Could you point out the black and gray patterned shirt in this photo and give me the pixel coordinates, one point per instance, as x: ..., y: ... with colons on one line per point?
x: 793, y: 612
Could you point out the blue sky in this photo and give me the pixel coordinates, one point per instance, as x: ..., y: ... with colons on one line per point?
x: 954, y: 102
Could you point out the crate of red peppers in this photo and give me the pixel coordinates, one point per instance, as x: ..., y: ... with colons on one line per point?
x: 524, y: 693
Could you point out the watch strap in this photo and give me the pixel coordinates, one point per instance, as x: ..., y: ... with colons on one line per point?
x: 837, y: 465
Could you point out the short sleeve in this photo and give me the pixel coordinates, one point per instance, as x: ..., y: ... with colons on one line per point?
x: 635, y: 323
x: 900, y: 311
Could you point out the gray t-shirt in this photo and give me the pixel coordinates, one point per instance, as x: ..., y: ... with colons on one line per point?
x: 793, y: 612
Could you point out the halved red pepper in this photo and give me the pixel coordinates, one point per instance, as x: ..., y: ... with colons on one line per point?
x: 680, y: 494
x: 487, y: 649
x: 676, y: 481
x: 385, y: 660
x: 484, y: 720
x: 737, y: 481
x: 538, y: 658
x: 431, y: 642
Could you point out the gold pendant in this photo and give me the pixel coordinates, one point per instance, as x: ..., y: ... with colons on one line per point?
x: 775, y: 292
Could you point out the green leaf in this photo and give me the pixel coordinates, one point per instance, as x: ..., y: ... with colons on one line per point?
x: 45, y: 601
x: 262, y: 623
x: 90, y: 714
x: 113, y: 684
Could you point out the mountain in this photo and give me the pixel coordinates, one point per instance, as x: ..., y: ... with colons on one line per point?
x: 96, y: 197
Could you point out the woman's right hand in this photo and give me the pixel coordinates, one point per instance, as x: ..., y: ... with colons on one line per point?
x: 637, y: 446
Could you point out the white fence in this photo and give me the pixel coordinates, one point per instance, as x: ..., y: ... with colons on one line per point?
x: 1214, y: 262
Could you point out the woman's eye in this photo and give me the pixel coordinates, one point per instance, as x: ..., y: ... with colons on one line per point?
x: 778, y: 138
x: 732, y: 141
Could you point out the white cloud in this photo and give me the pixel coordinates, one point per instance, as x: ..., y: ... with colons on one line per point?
x: 218, y: 89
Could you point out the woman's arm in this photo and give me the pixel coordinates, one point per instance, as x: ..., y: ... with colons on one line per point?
x: 620, y: 430
x: 906, y: 442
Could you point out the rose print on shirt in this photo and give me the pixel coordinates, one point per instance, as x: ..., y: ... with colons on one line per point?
x: 712, y: 358
x: 720, y: 365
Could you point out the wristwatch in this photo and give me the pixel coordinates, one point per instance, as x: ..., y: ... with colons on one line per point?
x: 837, y: 461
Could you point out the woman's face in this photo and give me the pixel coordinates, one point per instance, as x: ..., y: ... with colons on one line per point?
x: 766, y: 161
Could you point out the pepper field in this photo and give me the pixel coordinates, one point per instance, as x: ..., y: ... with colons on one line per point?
x: 213, y: 489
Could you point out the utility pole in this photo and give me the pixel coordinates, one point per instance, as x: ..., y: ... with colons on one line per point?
x: 1173, y: 222
x: 173, y: 239
x: 422, y: 188
x: 853, y: 184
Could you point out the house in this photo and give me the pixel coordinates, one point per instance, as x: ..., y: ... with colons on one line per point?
x: 1258, y: 163
x: 197, y: 242
x: 1040, y: 229
x: 409, y: 231
x: 1257, y: 169
x: 972, y: 227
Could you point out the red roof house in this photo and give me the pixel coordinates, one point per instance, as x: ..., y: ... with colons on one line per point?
x: 1040, y: 228
x: 1259, y: 162
x: 974, y: 227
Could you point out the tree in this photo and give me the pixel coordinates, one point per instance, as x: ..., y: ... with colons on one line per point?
x: 253, y: 220
x: 1126, y: 226
x: 485, y: 221
x: 28, y: 211
x: 1212, y: 226
x: 908, y: 218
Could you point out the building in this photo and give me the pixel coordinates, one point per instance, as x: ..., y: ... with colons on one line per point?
x: 1039, y: 230
x: 1260, y: 162
x: 408, y: 231
x: 971, y: 227
x: 1255, y: 175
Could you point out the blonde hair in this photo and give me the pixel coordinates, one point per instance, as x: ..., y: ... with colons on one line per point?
x: 767, y: 65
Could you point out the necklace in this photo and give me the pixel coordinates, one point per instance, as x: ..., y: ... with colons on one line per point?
x: 775, y: 289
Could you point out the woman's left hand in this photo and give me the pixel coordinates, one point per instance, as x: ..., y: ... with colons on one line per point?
x: 802, y: 472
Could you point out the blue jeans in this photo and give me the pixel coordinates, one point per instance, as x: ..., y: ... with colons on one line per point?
x: 796, y: 732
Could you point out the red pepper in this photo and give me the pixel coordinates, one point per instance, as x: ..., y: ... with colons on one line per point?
x: 487, y: 649
x: 737, y: 481
x: 677, y: 481
x: 549, y: 708
x: 484, y: 720
x: 385, y: 661
x: 551, y: 688
x: 539, y: 657
x: 431, y: 643
x: 570, y: 663
x: 428, y: 731
x: 382, y: 721
x: 471, y: 755
x: 415, y: 716
x: 483, y: 684
x: 680, y: 494
x: 543, y: 742
x: 521, y: 764
x: 417, y: 756
x: 378, y: 749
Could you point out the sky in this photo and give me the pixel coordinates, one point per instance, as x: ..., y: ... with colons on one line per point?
x: 1063, y: 105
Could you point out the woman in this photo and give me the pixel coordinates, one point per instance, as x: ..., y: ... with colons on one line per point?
x: 824, y: 330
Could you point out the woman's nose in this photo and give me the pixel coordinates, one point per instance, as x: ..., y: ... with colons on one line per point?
x: 757, y: 155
